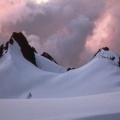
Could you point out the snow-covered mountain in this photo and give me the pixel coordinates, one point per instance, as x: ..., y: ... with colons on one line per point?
x: 91, y: 92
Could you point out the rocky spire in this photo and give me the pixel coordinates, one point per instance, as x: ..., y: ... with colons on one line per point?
x: 27, y: 51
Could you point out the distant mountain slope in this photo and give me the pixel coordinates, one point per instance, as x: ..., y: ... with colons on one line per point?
x: 22, y: 76
x: 47, y: 65
x: 41, y: 89
x: 29, y: 54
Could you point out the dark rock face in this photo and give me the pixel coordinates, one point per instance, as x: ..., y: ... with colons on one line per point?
x: 97, y: 52
x: 112, y: 58
x: 119, y: 62
x: 5, y: 47
x: 26, y: 49
x: 34, y: 50
x: 46, y: 55
x: 70, y: 69
x: 104, y: 48
x: 1, y: 50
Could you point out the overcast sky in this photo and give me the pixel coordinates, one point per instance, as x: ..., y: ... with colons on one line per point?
x: 71, y: 31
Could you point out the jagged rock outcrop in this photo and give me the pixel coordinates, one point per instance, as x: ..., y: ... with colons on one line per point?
x: 106, y: 53
x: 119, y: 62
x: 4, y: 48
x: 1, y: 50
x: 46, y: 55
x: 70, y: 69
x: 104, y: 48
x: 26, y: 49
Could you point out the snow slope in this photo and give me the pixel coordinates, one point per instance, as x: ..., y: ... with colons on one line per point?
x: 17, y: 74
x: 91, y: 92
x: 97, y: 77
x: 100, y: 75
x: 47, y: 65
x: 93, y: 107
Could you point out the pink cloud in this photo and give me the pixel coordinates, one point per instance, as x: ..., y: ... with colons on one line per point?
x: 75, y: 29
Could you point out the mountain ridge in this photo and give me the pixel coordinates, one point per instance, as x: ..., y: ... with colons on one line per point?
x: 20, y: 78
x: 27, y: 51
x: 38, y: 88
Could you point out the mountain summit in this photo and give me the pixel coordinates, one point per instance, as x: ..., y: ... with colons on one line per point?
x: 26, y: 49
x: 23, y: 73
x: 90, y: 92
x: 106, y: 53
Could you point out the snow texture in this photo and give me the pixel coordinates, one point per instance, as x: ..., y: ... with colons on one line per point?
x: 49, y: 92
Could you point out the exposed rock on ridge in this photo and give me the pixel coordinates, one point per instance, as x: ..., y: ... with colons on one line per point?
x: 26, y: 49
x: 106, y: 53
x: 46, y: 55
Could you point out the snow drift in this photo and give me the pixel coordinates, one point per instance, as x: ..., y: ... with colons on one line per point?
x: 88, y: 93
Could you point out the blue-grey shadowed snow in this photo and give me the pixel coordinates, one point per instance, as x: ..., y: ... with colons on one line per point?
x: 115, y: 116
x: 96, y: 107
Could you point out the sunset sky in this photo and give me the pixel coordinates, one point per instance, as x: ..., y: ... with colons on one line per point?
x: 71, y: 31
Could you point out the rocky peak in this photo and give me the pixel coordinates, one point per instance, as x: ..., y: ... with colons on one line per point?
x: 27, y: 51
x: 106, y: 53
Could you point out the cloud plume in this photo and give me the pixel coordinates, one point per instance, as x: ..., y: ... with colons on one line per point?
x: 70, y: 30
